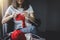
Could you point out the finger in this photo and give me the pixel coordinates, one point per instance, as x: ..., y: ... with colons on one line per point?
x: 15, y: 15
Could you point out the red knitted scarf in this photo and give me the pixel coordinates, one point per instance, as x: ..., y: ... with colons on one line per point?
x: 21, y: 17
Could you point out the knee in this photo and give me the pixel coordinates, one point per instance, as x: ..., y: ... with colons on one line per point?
x: 33, y: 29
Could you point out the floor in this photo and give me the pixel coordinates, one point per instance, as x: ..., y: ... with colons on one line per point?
x: 40, y: 39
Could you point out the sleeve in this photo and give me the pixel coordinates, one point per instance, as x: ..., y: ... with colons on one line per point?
x: 30, y: 9
x: 9, y: 11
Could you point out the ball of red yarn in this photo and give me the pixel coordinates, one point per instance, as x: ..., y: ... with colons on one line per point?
x: 18, y: 35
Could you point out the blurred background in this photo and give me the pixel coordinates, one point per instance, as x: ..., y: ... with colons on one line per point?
x: 48, y: 11
x: 1, y: 2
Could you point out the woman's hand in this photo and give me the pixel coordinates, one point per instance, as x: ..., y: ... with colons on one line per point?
x: 7, y: 17
x: 25, y: 14
x: 14, y: 15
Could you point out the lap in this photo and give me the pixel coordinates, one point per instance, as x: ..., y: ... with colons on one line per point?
x: 28, y: 29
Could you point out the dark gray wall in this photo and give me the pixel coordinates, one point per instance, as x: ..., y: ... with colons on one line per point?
x: 39, y: 7
x: 49, y: 13
x: 53, y: 15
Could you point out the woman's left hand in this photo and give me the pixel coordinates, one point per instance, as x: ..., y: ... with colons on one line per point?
x: 25, y: 14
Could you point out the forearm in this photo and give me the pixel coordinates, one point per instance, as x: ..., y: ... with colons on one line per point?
x: 32, y: 16
x: 4, y: 20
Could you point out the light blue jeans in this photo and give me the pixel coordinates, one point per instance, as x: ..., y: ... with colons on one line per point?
x: 30, y: 29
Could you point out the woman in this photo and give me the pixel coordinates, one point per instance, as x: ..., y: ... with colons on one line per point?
x: 20, y: 7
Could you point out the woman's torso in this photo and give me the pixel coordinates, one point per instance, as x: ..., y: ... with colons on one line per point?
x: 18, y: 24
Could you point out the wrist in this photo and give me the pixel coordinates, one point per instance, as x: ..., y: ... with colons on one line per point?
x: 11, y: 16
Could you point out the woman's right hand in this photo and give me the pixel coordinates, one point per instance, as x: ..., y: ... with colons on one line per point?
x: 14, y: 15
x: 7, y: 17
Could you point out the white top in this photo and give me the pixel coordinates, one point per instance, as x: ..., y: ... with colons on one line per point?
x: 12, y: 10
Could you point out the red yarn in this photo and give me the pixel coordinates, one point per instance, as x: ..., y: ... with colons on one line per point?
x: 21, y: 17
x: 18, y: 35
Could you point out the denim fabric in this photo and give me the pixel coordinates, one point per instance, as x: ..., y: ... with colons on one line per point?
x: 30, y: 29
